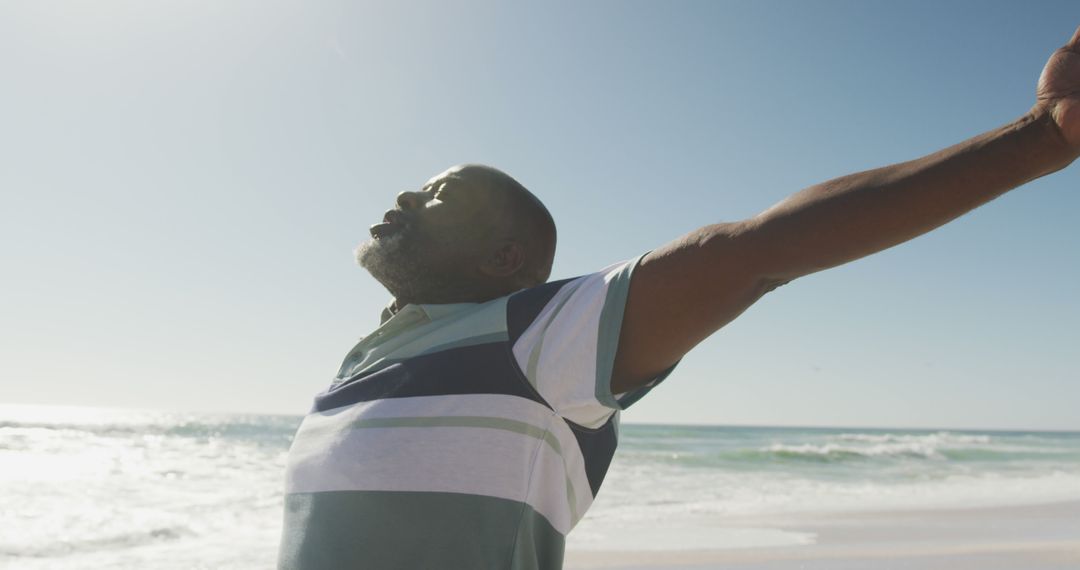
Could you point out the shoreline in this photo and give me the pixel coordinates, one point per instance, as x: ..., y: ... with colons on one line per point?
x: 1033, y: 537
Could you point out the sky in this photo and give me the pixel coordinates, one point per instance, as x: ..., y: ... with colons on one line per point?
x: 183, y: 184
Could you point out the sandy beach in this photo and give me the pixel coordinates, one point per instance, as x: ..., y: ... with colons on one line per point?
x: 1039, y: 537
x: 677, y: 497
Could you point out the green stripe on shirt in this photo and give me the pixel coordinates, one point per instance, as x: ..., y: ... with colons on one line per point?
x: 341, y: 530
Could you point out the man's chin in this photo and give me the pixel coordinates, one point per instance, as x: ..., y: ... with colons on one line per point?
x: 362, y: 251
x: 392, y: 262
x: 377, y: 250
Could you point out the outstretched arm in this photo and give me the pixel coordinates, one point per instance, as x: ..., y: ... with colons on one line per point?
x: 684, y: 291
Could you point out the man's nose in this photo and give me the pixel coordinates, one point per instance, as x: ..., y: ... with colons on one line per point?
x: 410, y: 200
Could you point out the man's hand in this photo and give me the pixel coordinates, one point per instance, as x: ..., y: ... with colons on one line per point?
x: 684, y: 291
x: 1058, y: 92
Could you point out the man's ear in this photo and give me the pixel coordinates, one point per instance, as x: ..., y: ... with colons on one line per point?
x: 507, y: 260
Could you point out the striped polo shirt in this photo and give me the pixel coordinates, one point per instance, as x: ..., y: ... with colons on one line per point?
x: 462, y: 436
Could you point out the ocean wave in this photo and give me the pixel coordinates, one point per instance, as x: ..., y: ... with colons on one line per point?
x: 838, y: 452
x: 723, y: 494
x: 258, y: 428
x: 855, y: 446
x: 118, y: 541
x: 941, y: 438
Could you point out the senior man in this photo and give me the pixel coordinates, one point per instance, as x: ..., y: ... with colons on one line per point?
x: 474, y: 426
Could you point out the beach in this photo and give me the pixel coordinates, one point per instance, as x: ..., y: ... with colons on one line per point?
x: 134, y: 489
x: 1030, y: 537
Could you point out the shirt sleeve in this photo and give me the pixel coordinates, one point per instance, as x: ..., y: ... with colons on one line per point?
x: 564, y: 336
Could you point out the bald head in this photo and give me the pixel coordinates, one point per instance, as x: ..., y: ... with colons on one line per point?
x: 471, y: 233
x: 521, y: 216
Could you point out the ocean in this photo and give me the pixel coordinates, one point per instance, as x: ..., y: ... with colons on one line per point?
x: 120, y: 489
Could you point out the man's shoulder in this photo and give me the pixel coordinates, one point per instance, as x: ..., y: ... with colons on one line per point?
x: 527, y: 303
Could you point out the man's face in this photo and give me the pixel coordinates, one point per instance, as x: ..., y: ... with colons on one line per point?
x: 430, y: 243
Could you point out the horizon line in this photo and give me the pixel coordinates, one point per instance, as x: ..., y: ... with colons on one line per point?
x: 115, y: 408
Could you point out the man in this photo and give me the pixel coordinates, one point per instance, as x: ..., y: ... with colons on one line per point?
x: 473, y: 428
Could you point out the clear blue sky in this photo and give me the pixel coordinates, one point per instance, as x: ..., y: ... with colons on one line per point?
x: 183, y: 184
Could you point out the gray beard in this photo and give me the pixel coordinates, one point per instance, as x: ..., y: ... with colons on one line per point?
x: 407, y: 271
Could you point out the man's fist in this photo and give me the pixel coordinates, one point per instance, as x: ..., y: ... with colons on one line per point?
x: 1058, y: 92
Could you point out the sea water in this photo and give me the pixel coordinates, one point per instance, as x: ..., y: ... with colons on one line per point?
x: 94, y: 488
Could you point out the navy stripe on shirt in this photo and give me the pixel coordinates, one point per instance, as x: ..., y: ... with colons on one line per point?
x: 477, y: 369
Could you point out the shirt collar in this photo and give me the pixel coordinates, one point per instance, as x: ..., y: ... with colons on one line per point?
x: 387, y: 312
x: 433, y: 312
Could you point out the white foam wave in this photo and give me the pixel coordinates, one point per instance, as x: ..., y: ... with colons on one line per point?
x: 69, y: 547
x: 837, y: 451
x: 942, y: 438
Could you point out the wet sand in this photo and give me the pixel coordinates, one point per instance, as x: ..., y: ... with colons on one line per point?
x: 1039, y: 537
